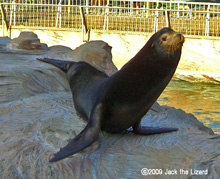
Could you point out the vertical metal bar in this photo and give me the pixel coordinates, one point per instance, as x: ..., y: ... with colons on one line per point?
x: 131, y: 7
x: 87, y: 8
x: 59, y: 11
x: 178, y: 7
x: 168, y: 19
x: 69, y: 2
x: 5, y: 25
x: 106, y: 18
x: 14, y: 9
x: 12, y: 12
x: 156, y: 19
x: 207, y: 21
x: 148, y: 6
x: 4, y: 18
x: 84, y: 25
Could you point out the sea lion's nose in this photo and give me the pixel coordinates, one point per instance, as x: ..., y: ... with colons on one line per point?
x: 181, y: 37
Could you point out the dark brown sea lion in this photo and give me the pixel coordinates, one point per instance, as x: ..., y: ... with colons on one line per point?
x: 119, y: 102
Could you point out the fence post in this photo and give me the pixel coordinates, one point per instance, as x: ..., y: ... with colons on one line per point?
x: 148, y: 6
x: 131, y: 6
x: 207, y: 21
x: 87, y: 4
x: 168, y: 19
x: 69, y: 3
x: 156, y: 19
x: 12, y: 12
x: 106, y: 18
x: 85, y: 30
x: 5, y: 25
x: 59, y: 11
x: 178, y: 12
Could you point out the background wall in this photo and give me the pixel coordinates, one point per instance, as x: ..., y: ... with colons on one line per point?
x: 200, y: 59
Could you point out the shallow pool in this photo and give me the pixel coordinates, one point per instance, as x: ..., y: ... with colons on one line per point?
x: 200, y: 99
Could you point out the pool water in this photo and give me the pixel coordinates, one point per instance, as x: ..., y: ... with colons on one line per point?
x: 200, y: 99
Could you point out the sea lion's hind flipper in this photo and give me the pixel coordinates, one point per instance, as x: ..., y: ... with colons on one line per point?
x: 63, y: 65
x: 146, y: 130
x: 84, y: 139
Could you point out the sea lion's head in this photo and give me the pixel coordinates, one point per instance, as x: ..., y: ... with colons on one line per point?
x: 167, y: 42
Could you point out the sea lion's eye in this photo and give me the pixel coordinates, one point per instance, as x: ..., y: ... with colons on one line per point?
x: 164, y: 38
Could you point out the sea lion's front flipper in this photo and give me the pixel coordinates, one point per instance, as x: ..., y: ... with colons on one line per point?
x: 84, y: 139
x: 146, y: 130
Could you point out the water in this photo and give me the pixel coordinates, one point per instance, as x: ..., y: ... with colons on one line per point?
x: 200, y: 99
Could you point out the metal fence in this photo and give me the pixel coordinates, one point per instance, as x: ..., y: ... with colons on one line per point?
x: 190, y: 19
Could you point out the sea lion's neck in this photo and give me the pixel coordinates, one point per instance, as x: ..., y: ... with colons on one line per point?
x: 149, y: 69
x: 149, y: 63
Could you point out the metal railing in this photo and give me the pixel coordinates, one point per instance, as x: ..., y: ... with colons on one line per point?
x: 190, y: 19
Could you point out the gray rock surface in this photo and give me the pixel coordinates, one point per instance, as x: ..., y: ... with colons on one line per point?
x: 27, y: 41
x: 37, y: 117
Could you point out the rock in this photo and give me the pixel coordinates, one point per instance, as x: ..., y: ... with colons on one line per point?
x: 37, y: 117
x: 97, y: 53
x: 57, y: 49
x: 27, y: 41
x: 4, y: 40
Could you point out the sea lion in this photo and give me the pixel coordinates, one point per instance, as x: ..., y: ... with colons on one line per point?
x: 118, y: 102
